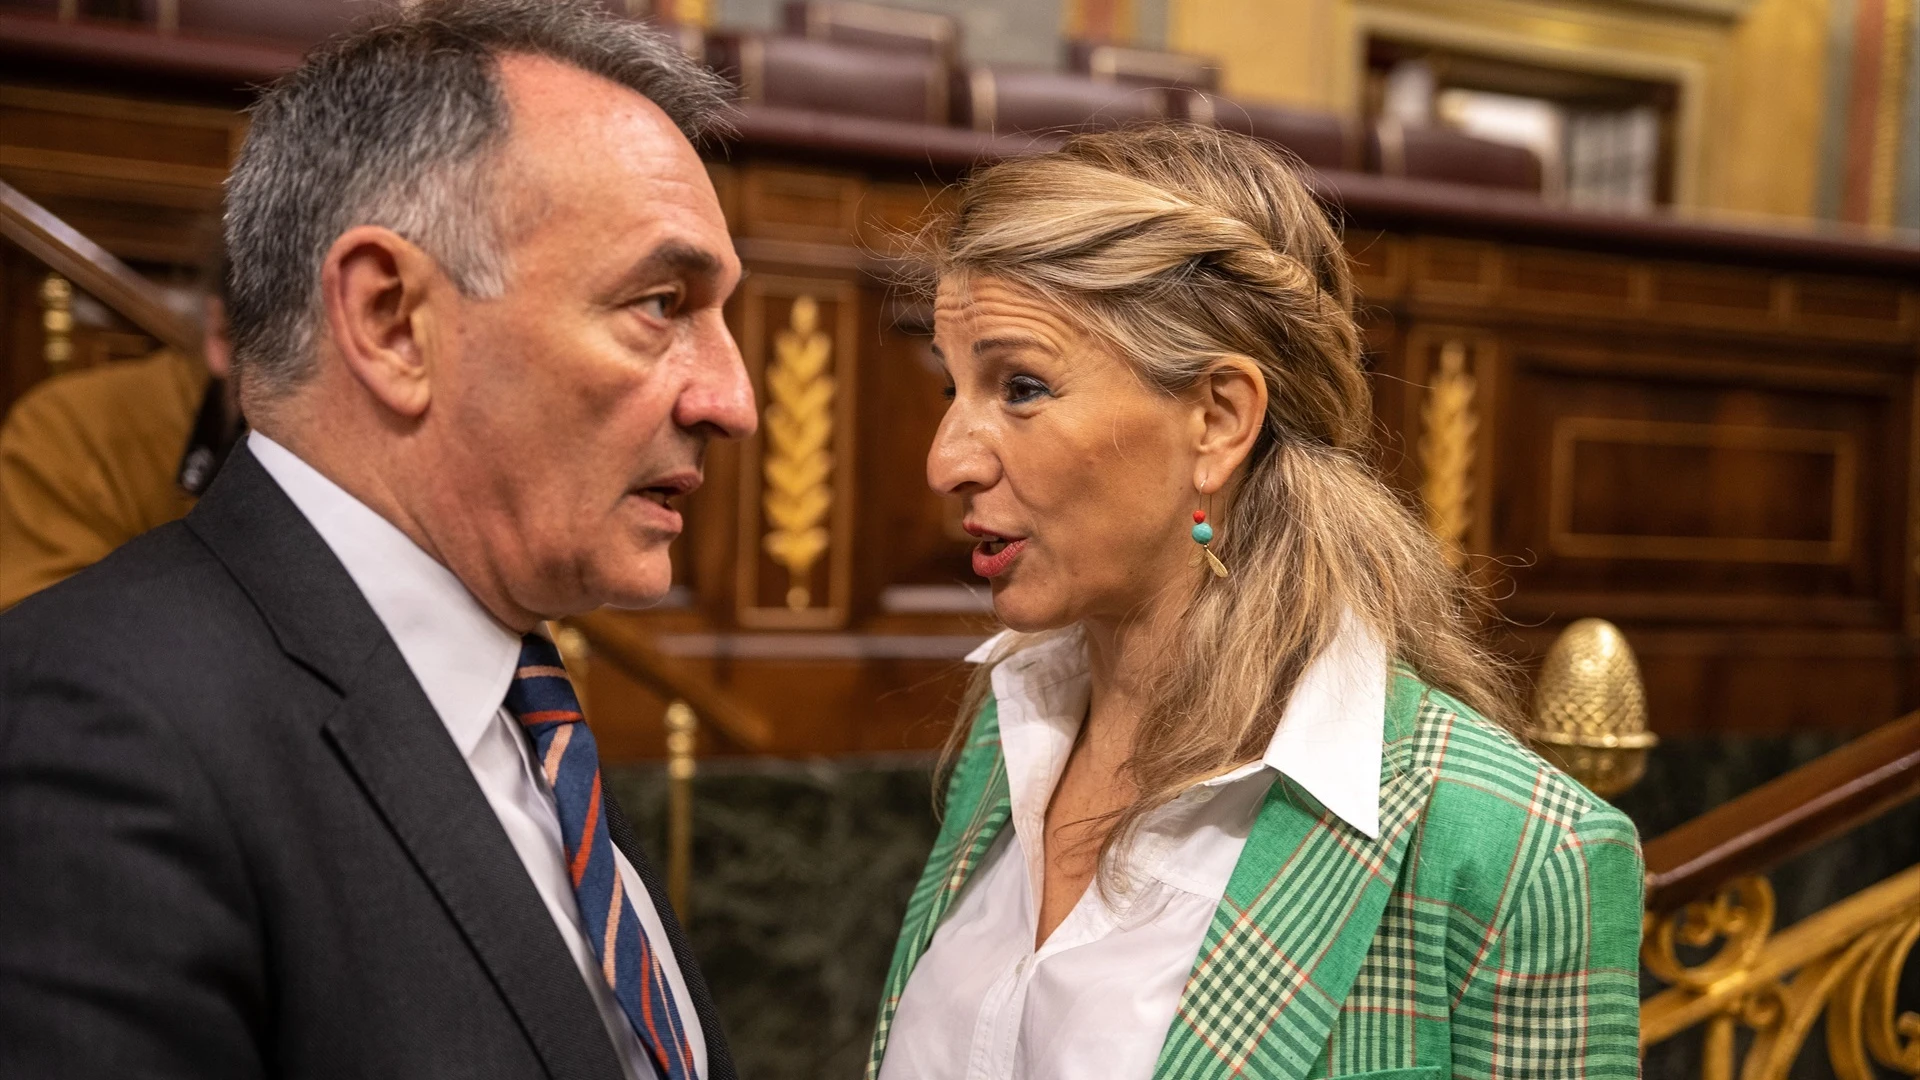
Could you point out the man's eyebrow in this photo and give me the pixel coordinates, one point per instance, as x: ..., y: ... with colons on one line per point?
x: 675, y: 258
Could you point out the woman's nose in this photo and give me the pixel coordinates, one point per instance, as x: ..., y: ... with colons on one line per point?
x: 961, y: 458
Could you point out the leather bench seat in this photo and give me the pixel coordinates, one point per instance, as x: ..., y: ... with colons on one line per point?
x: 874, y: 26
x: 832, y: 77
x: 1007, y: 99
x: 1320, y: 140
x: 1438, y: 153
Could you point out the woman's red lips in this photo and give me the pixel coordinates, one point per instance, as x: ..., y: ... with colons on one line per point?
x: 992, y: 557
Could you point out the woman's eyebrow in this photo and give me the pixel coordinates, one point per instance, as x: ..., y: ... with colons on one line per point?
x: 1015, y: 341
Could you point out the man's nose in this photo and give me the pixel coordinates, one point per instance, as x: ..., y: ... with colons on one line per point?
x: 718, y: 394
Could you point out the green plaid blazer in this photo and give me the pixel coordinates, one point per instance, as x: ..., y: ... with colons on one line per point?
x: 1492, y: 931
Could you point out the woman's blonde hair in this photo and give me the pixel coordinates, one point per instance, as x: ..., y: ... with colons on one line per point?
x: 1182, y: 246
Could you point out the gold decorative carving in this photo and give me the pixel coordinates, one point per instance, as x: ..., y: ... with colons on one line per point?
x: 1590, y: 708
x: 1844, y: 962
x: 1739, y: 917
x: 56, y: 319
x: 683, y: 728
x: 799, y: 463
x: 1865, y: 1023
x: 1449, y: 420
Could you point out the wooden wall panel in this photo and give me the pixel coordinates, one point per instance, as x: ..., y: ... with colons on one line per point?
x: 1666, y: 490
x: 140, y: 178
x: 1718, y: 456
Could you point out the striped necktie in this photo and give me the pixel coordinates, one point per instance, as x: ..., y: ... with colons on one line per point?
x: 541, y: 698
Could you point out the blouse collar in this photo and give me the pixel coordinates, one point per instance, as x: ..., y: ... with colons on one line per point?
x: 1329, y: 740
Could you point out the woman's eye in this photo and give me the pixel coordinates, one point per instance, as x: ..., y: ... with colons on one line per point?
x: 947, y: 392
x: 1021, y: 389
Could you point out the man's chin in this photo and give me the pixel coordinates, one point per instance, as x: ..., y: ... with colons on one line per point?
x: 641, y: 580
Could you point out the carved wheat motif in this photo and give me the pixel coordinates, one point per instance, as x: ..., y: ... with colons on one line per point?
x: 1449, y: 421
x: 799, y: 464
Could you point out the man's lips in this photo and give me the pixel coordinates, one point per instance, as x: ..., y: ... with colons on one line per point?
x: 661, y: 490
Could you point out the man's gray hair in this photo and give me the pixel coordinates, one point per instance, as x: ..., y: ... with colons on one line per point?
x: 398, y: 124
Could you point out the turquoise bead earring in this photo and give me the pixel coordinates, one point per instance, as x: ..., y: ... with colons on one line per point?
x: 1203, y: 535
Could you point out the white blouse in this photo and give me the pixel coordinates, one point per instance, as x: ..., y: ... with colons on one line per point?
x: 1095, y: 1001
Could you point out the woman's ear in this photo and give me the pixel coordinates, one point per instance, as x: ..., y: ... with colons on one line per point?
x: 1231, y: 409
x: 376, y: 288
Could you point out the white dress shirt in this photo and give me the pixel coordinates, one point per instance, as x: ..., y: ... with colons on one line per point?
x: 1095, y: 1001
x: 464, y: 661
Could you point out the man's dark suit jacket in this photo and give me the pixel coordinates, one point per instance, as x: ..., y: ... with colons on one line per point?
x: 237, y: 841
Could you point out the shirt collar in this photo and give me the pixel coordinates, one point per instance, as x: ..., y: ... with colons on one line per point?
x: 1330, y: 739
x: 462, y: 658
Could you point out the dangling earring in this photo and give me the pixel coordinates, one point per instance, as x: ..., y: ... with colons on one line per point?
x: 1203, y: 535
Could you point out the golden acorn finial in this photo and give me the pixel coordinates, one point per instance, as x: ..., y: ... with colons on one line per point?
x: 1590, y: 708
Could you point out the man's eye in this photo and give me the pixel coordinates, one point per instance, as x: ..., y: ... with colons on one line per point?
x: 1021, y: 389
x: 947, y: 392
x: 659, y: 306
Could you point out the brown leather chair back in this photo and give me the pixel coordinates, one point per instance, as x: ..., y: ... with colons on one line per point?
x: 1438, y: 153
x: 1320, y: 140
x: 1008, y: 100
x: 827, y: 76
x: 874, y: 26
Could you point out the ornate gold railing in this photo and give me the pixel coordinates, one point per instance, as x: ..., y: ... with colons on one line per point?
x: 1843, y: 963
x: 1710, y: 933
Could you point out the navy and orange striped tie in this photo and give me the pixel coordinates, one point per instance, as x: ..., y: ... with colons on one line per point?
x: 541, y: 698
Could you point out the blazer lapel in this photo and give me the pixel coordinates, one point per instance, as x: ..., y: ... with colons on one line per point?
x: 1299, y: 915
x: 394, y: 744
x: 978, y: 808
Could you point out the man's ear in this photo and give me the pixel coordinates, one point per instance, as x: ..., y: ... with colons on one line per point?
x: 377, y: 288
x: 1229, y: 413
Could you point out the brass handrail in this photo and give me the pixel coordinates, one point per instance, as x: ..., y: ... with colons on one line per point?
x: 1825, y: 798
x: 93, y: 269
x: 629, y: 649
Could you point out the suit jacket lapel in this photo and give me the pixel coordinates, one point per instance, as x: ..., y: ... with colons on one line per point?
x: 1298, y: 917
x: 978, y: 808
x: 394, y: 744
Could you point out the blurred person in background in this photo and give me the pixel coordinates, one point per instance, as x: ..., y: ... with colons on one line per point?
x: 1234, y: 794
x: 90, y: 460
x: 295, y: 786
